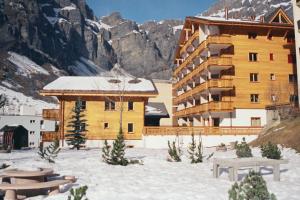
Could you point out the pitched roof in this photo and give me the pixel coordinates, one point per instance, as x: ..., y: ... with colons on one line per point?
x: 154, y: 109
x: 100, y: 84
x: 274, y: 13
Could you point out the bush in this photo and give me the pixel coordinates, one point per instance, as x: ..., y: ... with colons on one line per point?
x: 270, y: 151
x: 243, y: 150
x: 174, y: 152
x: 49, y: 153
x: 195, y: 151
x: 253, y: 187
x: 78, y: 193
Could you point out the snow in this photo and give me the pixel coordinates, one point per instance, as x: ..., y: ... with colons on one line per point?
x: 100, y: 25
x: 16, y: 99
x: 152, y: 110
x: 215, y: 18
x: 70, y: 7
x: 85, y: 67
x: 100, y: 83
x: 26, y: 67
x: 156, y: 179
x: 176, y: 28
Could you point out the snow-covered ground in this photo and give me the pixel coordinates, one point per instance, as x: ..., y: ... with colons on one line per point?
x: 156, y: 179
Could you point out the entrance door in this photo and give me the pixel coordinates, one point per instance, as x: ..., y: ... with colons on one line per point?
x: 216, y: 122
x: 20, y: 138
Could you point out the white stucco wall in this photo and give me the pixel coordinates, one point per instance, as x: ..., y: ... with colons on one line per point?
x: 242, y: 117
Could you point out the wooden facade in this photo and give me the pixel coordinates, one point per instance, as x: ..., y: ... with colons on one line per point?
x: 226, y: 65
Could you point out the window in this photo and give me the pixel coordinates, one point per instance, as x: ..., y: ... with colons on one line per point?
x: 252, y: 35
x: 82, y: 104
x: 292, y: 58
x: 110, y: 105
x: 271, y: 56
x: 293, y: 98
x: 272, y: 77
x: 106, y: 126
x: 292, y: 78
x: 32, y: 121
x: 31, y: 132
x: 130, y: 105
x: 215, y: 97
x: 42, y: 122
x: 255, y: 121
x: 254, y: 98
x: 252, y: 57
x: 130, y: 127
x: 253, y: 77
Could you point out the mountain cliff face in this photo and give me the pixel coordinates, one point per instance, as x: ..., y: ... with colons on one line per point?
x: 247, y: 8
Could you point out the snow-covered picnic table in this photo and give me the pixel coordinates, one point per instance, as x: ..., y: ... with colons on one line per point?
x: 234, y: 164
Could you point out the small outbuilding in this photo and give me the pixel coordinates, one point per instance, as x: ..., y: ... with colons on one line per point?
x: 15, y: 136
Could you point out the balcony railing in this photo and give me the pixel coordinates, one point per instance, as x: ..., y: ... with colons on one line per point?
x: 211, y: 61
x: 169, y: 130
x: 189, y: 42
x: 213, y: 39
x: 51, y: 114
x: 221, y: 84
x: 213, y: 106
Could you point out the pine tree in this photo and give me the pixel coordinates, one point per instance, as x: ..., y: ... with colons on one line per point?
x: 270, y: 151
x: 174, y: 152
x: 117, y: 154
x: 195, y: 151
x: 78, y: 193
x: 106, y: 153
x: 251, y: 188
x: 49, y: 153
x: 192, y: 150
x: 243, y: 150
x: 76, y: 137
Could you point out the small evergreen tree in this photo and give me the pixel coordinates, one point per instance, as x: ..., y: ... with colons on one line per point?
x: 243, y: 150
x: 106, y: 152
x: 195, y: 151
x: 49, y: 153
x: 270, y: 151
x: 117, y: 155
x: 253, y: 187
x: 174, y: 152
x: 76, y: 137
x: 78, y: 193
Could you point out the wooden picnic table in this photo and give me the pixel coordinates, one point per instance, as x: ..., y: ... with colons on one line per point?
x: 234, y: 164
x: 21, y: 176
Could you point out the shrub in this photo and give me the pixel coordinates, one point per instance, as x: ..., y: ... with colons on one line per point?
x: 243, y: 150
x: 78, y: 193
x: 49, y: 153
x: 174, y: 152
x: 253, y: 187
x: 270, y: 151
x: 195, y: 151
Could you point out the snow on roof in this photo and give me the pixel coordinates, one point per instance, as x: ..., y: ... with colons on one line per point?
x: 156, y: 109
x: 101, y: 83
x: 217, y: 18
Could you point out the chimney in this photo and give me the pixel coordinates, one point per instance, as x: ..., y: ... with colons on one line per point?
x: 262, y: 19
x: 226, y: 13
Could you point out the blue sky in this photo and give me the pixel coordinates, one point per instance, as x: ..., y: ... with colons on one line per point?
x: 145, y: 10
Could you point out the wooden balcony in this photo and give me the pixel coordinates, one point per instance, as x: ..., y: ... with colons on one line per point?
x: 51, y: 114
x: 50, y: 136
x: 221, y: 62
x: 189, y: 41
x: 222, y: 41
x: 181, y: 131
x: 213, y: 84
x: 213, y: 106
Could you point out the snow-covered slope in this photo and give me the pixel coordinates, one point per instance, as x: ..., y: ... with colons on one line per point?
x: 247, y: 8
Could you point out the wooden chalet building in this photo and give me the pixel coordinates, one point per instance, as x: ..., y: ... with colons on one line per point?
x: 229, y: 70
x: 102, y: 99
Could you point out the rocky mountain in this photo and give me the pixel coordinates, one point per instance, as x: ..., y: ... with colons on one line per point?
x: 247, y: 8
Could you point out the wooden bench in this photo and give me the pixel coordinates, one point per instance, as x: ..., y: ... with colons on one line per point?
x: 234, y: 164
x: 11, y: 189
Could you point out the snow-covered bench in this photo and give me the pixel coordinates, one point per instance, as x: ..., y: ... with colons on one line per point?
x: 234, y: 164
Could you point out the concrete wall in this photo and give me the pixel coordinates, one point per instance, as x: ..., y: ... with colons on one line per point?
x: 161, y: 142
x: 297, y: 36
x: 165, y: 96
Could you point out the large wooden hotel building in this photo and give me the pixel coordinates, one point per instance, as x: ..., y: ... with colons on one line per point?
x: 229, y: 70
